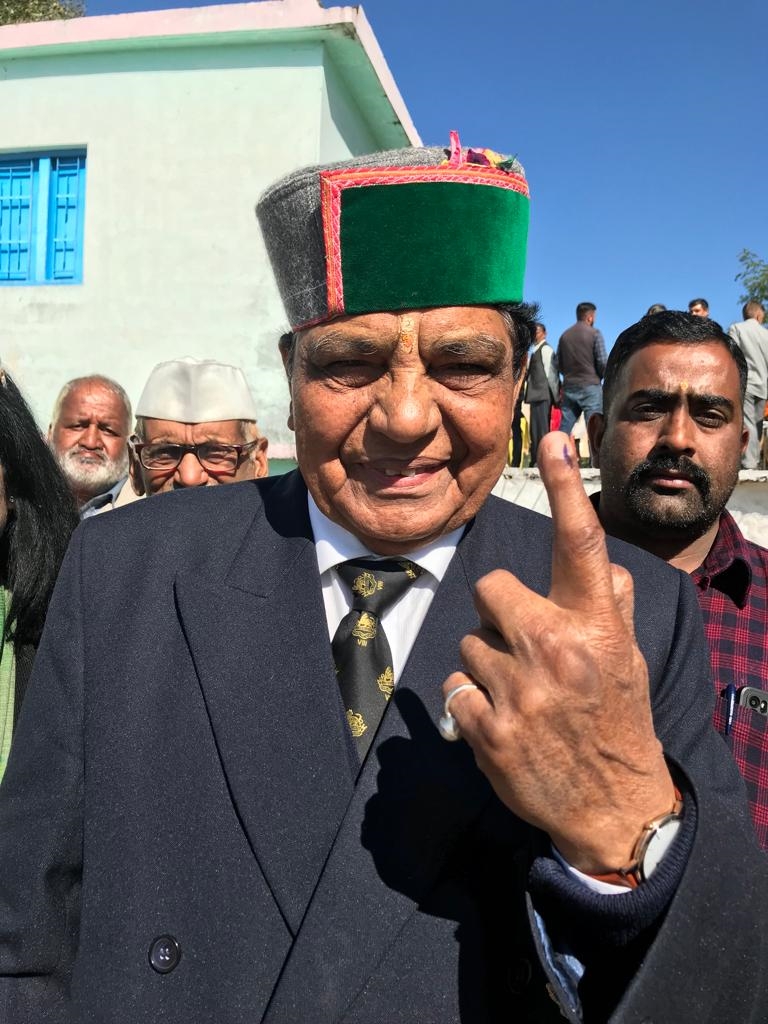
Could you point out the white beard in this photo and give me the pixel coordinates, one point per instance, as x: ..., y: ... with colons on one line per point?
x: 89, y: 475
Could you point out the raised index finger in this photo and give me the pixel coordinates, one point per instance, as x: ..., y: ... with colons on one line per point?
x: 581, y: 571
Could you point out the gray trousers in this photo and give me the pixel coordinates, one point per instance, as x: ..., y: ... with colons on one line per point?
x: 754, y: 407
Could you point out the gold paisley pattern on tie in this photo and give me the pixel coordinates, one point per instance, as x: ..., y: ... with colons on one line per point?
x: 365, y: 629
x: 366, y: 585
x: 361, y: 652
x: 356, y: 723
x: 386, y: 682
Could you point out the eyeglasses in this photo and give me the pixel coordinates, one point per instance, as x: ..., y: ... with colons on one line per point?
x: 213, y: 456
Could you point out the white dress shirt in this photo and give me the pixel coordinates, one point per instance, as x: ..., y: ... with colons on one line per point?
x: 403, y: 620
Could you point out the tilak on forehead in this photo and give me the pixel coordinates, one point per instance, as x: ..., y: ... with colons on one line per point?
x: 406, y: 334
x: 405, y: 229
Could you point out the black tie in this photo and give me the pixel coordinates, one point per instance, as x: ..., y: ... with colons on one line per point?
x: 360, y: 647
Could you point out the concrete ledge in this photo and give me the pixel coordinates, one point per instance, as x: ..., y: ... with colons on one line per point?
x: 749, y: 501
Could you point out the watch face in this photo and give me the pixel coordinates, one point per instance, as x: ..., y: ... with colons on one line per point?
x: 658, y: 844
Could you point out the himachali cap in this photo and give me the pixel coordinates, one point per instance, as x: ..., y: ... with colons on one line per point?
x: 196, y: 391
x: 404, y: 229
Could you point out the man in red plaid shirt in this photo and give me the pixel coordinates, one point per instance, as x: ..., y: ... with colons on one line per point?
x: 669, y: 445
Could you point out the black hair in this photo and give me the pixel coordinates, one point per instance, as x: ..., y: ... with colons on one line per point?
x: 674, y: 327
x: 583, y: 308
x: 699, y: 302
x: 41, y: 517
x: 520, y: 318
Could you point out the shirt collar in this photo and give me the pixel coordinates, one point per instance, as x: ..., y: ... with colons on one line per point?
x: 334, y: 544
x: 100, y: 500
x: 727, y: 565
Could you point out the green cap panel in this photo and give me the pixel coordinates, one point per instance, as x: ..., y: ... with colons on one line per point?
x: 425, y: 244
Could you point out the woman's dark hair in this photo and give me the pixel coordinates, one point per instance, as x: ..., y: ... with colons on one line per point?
x: 41, y: 517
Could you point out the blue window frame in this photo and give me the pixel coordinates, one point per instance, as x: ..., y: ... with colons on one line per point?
x: 42, y: 213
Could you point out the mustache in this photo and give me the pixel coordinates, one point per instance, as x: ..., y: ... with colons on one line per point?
x: 93, y: 453
x: 670, y: 464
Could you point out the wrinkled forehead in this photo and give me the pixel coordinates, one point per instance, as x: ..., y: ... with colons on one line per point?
x: 478, y: 327
x: 92, y: 399
x: 153, y: 429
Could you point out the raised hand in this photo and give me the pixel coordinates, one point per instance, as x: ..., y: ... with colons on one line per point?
x: 561, y: 724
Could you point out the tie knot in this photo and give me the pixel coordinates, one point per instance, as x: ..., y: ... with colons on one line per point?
x: 377, y: 583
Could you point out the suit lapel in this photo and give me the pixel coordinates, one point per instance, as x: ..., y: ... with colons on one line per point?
x: 259, y: 642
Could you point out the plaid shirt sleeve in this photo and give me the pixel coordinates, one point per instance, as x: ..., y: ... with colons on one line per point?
x: 732, y: 586
x: 598, y: 354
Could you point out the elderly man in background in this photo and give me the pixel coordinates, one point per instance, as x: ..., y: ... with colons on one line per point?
x: 195, y: 427
x: 752, y: 338
x: 668, y: 445
x: 88, y: 433
x: 231, y: 801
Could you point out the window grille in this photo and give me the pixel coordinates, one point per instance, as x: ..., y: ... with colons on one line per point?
x: 42, y: 209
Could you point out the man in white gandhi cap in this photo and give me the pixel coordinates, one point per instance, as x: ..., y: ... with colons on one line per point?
x: 195, y: 427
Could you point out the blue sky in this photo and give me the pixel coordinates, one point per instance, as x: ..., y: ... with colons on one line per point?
x: 642, y: 128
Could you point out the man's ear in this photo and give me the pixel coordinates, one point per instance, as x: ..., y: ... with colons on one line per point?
x: 134, y: 472
x: 259, y: 458
x: 595, y: 431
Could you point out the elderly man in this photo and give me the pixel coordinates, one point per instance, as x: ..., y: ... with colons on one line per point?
x: 195, y: 427
x: 251, y: 815
x: 669, y: 444
x: 88, y: 433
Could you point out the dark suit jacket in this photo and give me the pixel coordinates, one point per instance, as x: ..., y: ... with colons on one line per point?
x: 182, y: 767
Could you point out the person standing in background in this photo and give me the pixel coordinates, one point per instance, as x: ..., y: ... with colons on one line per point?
x: 752, y: 338
x: 542, y: 388
x: 581, y: 359
x: 698, y: 307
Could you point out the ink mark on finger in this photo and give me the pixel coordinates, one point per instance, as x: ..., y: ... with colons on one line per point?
x: 567, y: 456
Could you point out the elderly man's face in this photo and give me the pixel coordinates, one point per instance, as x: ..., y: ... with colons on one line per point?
x: 670, y: 445
x: 218, y: 466
x: 402, y: 421
x: 89, y: 439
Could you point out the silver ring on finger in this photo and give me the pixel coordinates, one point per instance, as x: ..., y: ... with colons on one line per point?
x: 447, y: 725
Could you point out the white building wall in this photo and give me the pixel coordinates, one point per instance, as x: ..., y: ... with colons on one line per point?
x: 342, y: 123
x: 180, y: 143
